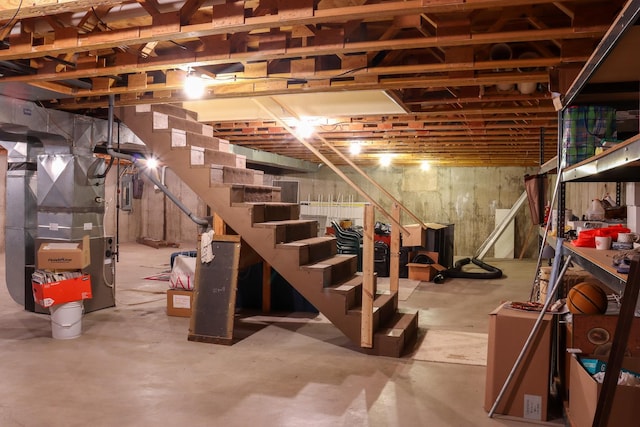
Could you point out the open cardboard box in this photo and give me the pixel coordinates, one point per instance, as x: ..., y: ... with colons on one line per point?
x: 424, y: 272
x: 64, y: 255
x: 418, y: 233
x: 62, y: 291
x: 584, y: 392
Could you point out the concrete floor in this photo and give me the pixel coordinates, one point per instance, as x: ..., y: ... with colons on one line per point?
x: 133, y: 364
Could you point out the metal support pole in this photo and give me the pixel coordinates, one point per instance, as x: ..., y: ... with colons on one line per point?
x: 497, y: 232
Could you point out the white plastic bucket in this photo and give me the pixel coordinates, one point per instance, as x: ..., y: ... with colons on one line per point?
x: 66, y: 320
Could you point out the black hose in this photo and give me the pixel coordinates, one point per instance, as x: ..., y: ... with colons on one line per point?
x: 456, y: 271
x: 422, y: 259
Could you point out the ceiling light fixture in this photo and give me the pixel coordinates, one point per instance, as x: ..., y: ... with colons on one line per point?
x: 385, y: 160
x: 194, y: 86
x: 355, y: 148
x: 304, y: 128
x: 152, y: 163
x: 425, y: 165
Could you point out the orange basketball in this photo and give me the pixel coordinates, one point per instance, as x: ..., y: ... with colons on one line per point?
x: 587, y: 298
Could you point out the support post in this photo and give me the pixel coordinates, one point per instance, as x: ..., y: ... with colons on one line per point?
x: 368, y: 285
x: 266, y: 287
x: 394, y: 252
x: 218, y: 225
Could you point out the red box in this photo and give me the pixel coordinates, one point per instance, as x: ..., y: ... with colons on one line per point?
x: 48, y: 294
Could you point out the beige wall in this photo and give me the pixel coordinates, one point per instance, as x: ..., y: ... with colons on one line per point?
x: 154, y: 216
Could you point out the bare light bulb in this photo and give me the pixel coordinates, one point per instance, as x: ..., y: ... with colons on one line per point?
x: 152, y: 163
x: 304, y: 129
x: 194, y: 86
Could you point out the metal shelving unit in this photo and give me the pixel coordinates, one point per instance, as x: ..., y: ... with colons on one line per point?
x: 610, y: 77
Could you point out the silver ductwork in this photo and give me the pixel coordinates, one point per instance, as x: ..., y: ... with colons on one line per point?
x: 55, y: 192
x: 20, y: 220
x: 69, y: 205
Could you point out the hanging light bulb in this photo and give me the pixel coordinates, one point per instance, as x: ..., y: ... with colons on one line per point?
x: 355, y: 148
x: 304, y: 128
x: 194, y: 86
x: 425, y: 165
x: 385, y: 160
x: 152, y: 163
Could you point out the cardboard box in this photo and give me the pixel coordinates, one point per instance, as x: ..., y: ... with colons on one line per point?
x: 424, y: 272
x: 418, y: 234
x: 593, y: 334
x: 64, y: 255
x: 584, y: 392
x: 528, y: 393
x: 179, y: 302
x: 632, y: 193
x: 48, y: 294
x: 421, y: 271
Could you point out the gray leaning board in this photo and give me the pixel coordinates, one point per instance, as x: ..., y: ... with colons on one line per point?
x: 214, y: 296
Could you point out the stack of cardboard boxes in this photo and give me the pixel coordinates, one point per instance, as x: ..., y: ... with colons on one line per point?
x: 59, y: 277
x: 181, y: 285
x: 417, y: 238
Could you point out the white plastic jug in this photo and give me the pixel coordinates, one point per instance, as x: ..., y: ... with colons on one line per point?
x: 596, y: 212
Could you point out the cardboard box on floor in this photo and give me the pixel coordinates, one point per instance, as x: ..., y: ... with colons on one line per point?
x: 528, y: 393
x: 584, y: 392
x: 179, y: 302
x: 64, y: 255
x: 424, y: 272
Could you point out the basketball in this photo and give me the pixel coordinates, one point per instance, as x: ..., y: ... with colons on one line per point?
x: 587, y: 298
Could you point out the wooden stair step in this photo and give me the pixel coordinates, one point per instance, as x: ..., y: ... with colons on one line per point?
x: 351, y: 290
x: 397, y: 335
x: 176, y: 111
x: 215, y: 157
x: 209, y: 142
x: 388, y: 304
x: 384, y: 306
x: 311, y: 250
x: 195, y: 154
x: 241, y: 193
x: 273, y: 211
x: 163, y: 123
x: 291, y: 230
x: 231, y: 175
x: 334, y: 270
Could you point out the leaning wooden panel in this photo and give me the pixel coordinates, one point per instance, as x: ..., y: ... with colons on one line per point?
x: 214, y: 296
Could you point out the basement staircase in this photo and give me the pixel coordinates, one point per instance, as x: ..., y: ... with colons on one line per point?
x: 311, y: 264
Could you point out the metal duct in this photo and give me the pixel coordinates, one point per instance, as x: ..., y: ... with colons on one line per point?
x: 21, y: 226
